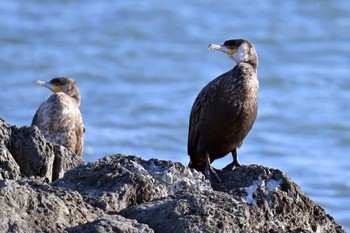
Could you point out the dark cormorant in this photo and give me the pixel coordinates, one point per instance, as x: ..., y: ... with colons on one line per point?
x: 59, y: 117
x: 225, y: 109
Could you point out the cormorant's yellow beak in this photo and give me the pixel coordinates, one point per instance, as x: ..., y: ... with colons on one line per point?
x: 223, y: 48
x: 53, y: 88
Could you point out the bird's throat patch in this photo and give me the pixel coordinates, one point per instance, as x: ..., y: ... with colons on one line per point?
x: 233, y: 51
x: 56, y: 89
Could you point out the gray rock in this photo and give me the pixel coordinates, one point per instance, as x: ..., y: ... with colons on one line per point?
x: 108, y: 223
x: 117, y: 182
x: 27, y: 149
x: 32, y: 152
x: 64, y: 160
x: 9, y: 169
x: 5, y: 132
x: 31, y: 206
x: 153, y: 195
x: 249, y: 199
x: 169, y: 197
x: 186, y: 212
x: 280, y: 198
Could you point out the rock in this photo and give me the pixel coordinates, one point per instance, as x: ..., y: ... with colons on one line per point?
x: 64, y: 160
x: 9, y: 169
x: 186, y: 212
x: 281, y: 199
x: 121, y: 193
x: 108, y: 223
x: 27, y: 149
x: 5, y: 132
x: 32, y: 206
x: 32, y: 152
x: 117, y: 182
x: 249, y: 199
x: 169, y: 197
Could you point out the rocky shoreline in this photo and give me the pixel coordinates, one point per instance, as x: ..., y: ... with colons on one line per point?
x: 46, y: 188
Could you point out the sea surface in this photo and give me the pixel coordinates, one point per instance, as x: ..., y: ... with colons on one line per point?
x: 140, y: 64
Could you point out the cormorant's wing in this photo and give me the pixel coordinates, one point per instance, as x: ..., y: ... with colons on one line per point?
x: 198, y: 113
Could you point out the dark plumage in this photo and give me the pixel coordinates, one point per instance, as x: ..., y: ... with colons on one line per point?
x: 59, y: 117
x: 225, y: 109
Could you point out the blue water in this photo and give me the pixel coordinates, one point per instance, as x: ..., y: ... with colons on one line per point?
x: 140, y: 65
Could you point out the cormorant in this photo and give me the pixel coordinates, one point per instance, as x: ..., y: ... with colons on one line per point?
x: 225, y: 109
x: 59, y: 117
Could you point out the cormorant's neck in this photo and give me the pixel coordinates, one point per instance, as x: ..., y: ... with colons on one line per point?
x: 247, y: 54
x: 77, y: 100
x: 251, y: 58
x: 253, y: 64
x: 74, y: 93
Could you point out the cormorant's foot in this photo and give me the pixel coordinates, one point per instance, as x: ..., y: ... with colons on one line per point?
x: 207, y: 173
x: 216, y: 177
x: 210, y: 172
x: 232, y: 166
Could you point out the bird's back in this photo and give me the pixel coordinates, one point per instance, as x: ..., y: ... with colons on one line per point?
x: 60, y: 121
x: 222, y: 114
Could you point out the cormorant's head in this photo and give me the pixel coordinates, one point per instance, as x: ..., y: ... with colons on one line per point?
x: 61, y: 84
x: 239, y: 50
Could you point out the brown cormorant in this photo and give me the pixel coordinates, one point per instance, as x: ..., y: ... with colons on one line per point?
x: 59, y: 117
x: 225, y: 109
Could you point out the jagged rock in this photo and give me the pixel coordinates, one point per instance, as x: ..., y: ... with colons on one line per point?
x: 32, y: 153
x: 117, y: 182
x: 9, y: 169
x: 153, y: 195
x: 170, y: 197
x: 281, y: 199
x: 31, y: 206
x: 5, y: 132
x: 187, y: 212
x: 108, y: 223
x: 249, y: 199
x: 64, y: 160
